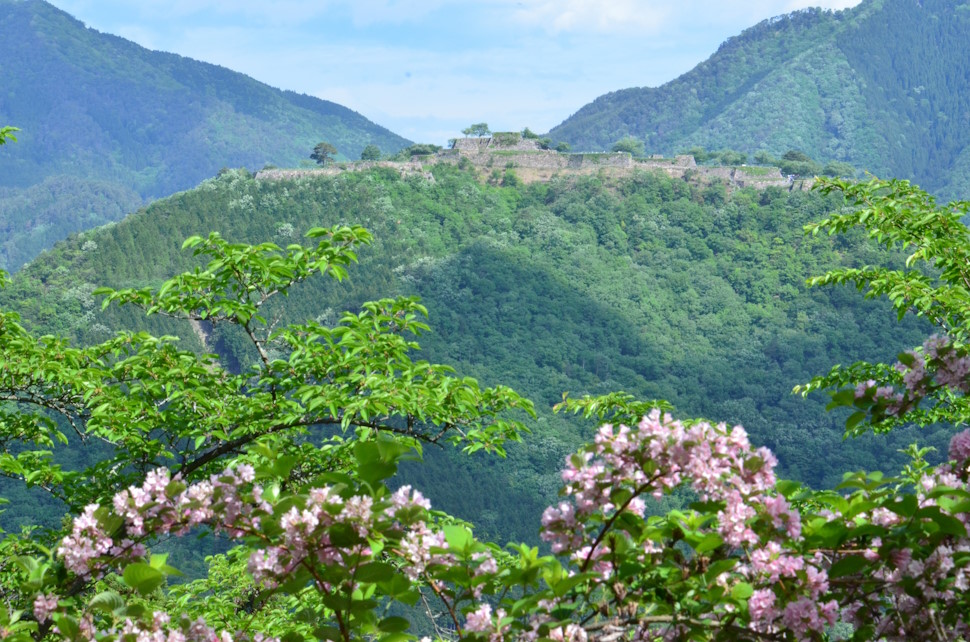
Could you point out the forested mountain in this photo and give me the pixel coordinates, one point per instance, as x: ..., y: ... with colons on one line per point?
x: 881, y: 86
x: 120, y: 124
x: 652, y: 285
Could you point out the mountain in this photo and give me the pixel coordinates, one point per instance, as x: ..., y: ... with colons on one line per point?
x: 122, y: 124
x: 881, y: 86
x: 649, y: 284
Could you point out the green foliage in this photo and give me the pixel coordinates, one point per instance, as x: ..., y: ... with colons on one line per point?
x: 323, y: 153
x: 324, y: 413
x: 837, y: 169
x: 32, y: 219
x: 477, y: 129
x: 506, y: 139
x: 581, y: 285
x: 873, y: 86
x: 371, y: 153
x: 133, y: 124
x: 418, y: 149
x: 630, y: 144
x: 731, y: 157
x: 762, y: 157
x: 6, y: 133
x: 932, y: 285
x: 700, y: 154
x: 728, y: 157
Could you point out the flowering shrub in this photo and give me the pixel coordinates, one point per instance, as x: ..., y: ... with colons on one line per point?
x: 737, y: 564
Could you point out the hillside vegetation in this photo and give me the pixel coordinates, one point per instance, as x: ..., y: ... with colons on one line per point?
x: 122, y: 124
x: 880, y: 86
x: 647, y: 284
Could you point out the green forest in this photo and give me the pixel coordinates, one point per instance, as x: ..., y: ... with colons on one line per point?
x: 657, y: 287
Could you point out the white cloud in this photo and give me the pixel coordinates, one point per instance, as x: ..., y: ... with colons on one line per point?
x: 614, y: 16
x: 650, y: 17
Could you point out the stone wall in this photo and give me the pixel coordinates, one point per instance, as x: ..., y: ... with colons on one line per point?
x: 499, y: 141
x: 406, y: 168
x: 545, y: 159
x: 534, y: 164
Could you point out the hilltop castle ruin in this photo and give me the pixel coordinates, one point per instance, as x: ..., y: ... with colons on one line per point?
x: 527, y: 158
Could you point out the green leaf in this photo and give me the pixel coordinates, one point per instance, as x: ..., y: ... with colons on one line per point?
x: 904, y: 506
x: 458, y: 537
x: 742, y: 591
x: 708, y: 543
x: 848, y: 565
x: 106, y: 602
x: 67, y: 625
x: 143, y: 578
x: 374, y: 572
x: 394, y: 624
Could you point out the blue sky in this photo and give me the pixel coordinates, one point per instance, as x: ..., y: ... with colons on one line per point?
x: 427, y: 68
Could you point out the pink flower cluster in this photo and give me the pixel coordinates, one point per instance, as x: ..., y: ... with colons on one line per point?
x: 939, y: 365
x: 922, y: 584
x: 482, y: 621
x: 624, y: 464
x: 231, y: 503
x: 160, y: 628
x: 159, y: 506
x: 911, y: 584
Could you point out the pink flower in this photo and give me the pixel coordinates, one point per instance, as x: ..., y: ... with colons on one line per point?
x: 479, y: 620
x: 960, y: 447
x: 761, y: 608
x: 44, y: 605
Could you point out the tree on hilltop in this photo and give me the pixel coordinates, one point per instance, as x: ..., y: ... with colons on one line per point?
x: 630, y: 144
x: 323, y: 153
x: 478, y: 129
x: 798, y: 163
x: 371, y: 153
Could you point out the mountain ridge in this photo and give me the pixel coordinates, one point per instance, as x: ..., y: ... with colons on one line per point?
x: 100, y: 108
x: 878, y: 86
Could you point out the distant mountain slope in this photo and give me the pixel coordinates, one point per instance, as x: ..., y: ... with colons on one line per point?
x: 99, y: 108
x: 881, y: 86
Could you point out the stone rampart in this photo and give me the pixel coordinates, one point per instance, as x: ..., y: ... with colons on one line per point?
x: 511, y: 141
x: 406, y: 168
x: 510, y: 151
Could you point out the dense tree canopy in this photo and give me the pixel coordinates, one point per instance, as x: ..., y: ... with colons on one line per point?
x: 292, y: 458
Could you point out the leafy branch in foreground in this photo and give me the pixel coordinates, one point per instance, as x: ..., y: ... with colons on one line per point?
x: 924, y: 387
x: 6, y: 133
x: 155, y: 405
